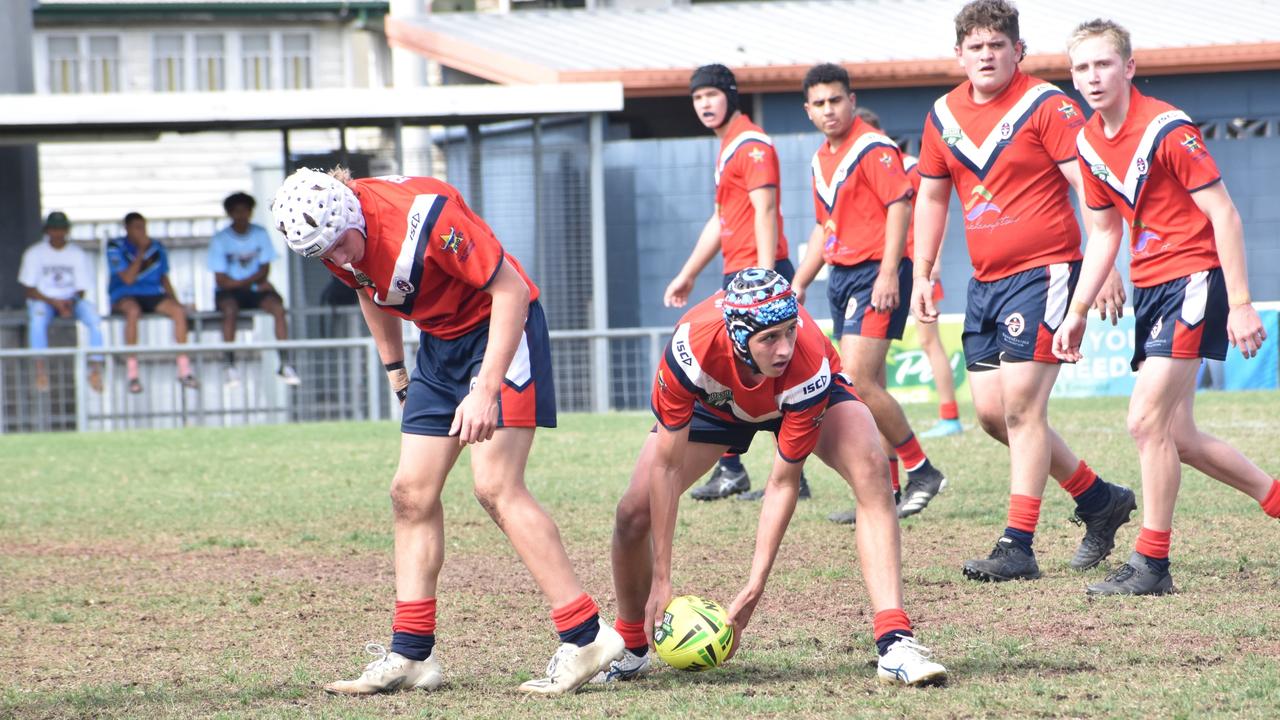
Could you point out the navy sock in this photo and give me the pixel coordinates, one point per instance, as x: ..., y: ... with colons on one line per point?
x: 583, y: 633
x: 731, y: 462
x: 1093, y: 500
x: 1160, y: 565
x: 1022, y: 537
x: 638, y: 651
x: 884, y: 641
x: 412, y: 645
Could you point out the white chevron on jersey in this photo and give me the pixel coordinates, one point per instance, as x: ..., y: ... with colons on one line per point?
x: 828, y: 191
x: 727, y: 153
x: 1127, y: 187
x: 812, y: 386
x: 688, y: 364
x: 409, y: 252
x: 980, y: 156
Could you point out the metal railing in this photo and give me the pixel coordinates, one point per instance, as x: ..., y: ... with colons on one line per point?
x: 342, y: 379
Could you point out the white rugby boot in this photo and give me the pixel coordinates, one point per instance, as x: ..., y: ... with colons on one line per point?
x: 908, y: 663
x: 629, y: 667
x: 572, y: 666
x: 391, y: 672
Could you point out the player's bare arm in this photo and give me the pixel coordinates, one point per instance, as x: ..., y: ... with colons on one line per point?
x: 779, y: 504
x: 1111, y: 296
x: 388, y: 338
x: 765, y: 202
x: 811, y: 265
x: 931, y: 205
x: 664, y: 495
x: 477, y: 415
x: 884, y: 293
x: 1099, y: 263
x: 1244, y: 327
x: 707, y: 247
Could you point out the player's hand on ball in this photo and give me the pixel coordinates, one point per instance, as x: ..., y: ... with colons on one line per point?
x: 476, y: 417
x: 655, y: 606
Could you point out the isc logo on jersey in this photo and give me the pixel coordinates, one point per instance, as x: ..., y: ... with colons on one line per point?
x: 682, y: 353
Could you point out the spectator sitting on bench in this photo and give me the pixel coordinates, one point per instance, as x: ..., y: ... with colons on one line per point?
x: 55, y: 276
x: 140, y: 284
x: 240, y: 258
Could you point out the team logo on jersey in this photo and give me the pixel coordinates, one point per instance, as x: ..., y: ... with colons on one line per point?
x: 886, y: 159
x: 952, y: 135
x: 1155, y: 329
x: 362, y: 279
x: 403, y: 286
x: 1006, y: 130
x: 1067, y: 110
x: 1141, y: 165
x: 1100, y: 171
x: 1015, y: 323
x: 662, y: 382
x: 720, y: 399
x: 756, y: 154
x: 457, y: 243
x: 1191, y: 143
x: 981, y: 201
x: 1142, y: 235
x: 829, y: 227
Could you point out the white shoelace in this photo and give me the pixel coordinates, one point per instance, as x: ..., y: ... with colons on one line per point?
x: 377, y: 650
x: 909, y: 643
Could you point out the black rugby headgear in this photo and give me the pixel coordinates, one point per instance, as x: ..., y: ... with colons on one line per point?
x: 721, y: 78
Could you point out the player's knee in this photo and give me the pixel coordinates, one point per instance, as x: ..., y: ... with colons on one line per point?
x: 229, y: 308
x: 631, y: 520
x: 409, y: 501
x: 491, y: 496
x: 992, y: 423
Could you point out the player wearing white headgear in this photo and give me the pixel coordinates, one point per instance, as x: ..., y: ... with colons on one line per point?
x: 415, y: 251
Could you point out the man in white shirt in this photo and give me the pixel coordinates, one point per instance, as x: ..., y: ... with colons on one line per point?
x: 56, y: 275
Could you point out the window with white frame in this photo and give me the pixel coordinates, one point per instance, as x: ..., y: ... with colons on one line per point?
x: 210, y: 63
x: 64, y: 64
x: 104, y: 64
x: 296, y: 60
x: 255, y: 61
x: 169, y: 54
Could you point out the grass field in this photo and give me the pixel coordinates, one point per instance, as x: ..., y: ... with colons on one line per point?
x: 231, y: 572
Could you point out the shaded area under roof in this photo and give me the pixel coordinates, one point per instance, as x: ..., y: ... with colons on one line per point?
x: 37, y: 118
x: 884, y: 43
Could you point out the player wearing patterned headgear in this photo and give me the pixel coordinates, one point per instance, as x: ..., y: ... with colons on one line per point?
x: 1005, y: 140
x: 746, y: 227
x: 862, y: 201
x: 747, y: 359
x: 415, y: 251
x: 1146, y: 161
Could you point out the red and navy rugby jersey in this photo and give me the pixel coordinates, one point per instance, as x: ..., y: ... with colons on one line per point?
x: 747, y: 162
x: 1148, y: 171
x: 699, y: 367
x: 428, y: 257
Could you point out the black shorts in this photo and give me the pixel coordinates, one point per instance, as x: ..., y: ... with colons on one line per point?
x: 245, y: 298
x: 148, y: 303
x: 849, y: 294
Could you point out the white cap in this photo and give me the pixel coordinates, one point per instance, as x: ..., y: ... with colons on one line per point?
x: 312, y: 209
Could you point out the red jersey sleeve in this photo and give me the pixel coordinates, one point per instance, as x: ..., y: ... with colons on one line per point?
x: 464, y: 247
x: 800, y: 430
x: 885, y: 176
x: 1095, y: 191
x: 1183, y: 152
x: 344, y: 276
x: 758, y: 163
x: 672, y: 402
x: 933, y: 159
x: 1058, y: 121
x: 804, y: 402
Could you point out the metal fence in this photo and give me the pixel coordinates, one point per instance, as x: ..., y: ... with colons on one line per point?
x: 342, y: 379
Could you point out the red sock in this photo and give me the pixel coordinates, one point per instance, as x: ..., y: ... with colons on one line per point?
x: 887, y: 621
x: 893, y: 474
x: 415, y: 616
x: 1271, y: 504
x: 632, y: 633
x: 910, y: 452
x: 1024, y: 512
x: 575, y: 613
x: 1081, y: 480
x: 1154, y: 543
x: 948, y: 411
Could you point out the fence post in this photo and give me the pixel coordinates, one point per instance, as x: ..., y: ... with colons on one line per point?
x: 372, y: 387
x: 599, y: 269
x: 81, y: 365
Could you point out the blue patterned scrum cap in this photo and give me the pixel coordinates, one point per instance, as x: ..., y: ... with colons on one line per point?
x: 756, y: 299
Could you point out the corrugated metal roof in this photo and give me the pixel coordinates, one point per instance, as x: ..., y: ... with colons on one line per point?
x: 571, y: 44
x: 184, y: 4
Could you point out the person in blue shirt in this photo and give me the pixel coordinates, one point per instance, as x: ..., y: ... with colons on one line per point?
x: 140, y: 284
x: 240, y: 256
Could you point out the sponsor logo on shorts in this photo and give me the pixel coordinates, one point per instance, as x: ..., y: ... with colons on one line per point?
x: 851, y: 309
x: 1155, y: 329
x: 1015, y: 323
